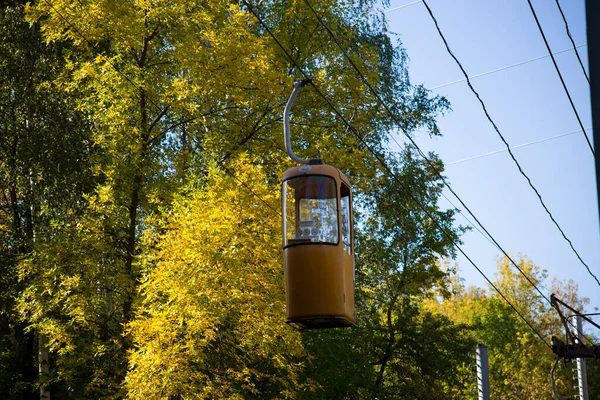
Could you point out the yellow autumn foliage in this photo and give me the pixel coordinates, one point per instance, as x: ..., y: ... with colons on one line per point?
x: 213, y: 314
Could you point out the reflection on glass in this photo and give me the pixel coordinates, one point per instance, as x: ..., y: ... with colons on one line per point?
x: 289, y: 212
x: 345, y: 204
x: 310, y: 208
x: 318, y: 220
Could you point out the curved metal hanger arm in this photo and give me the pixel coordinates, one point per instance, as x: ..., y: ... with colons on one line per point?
x: 286, y: 125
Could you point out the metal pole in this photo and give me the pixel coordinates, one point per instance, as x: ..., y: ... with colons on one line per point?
x: 581, y: 370
x: 483, y: 380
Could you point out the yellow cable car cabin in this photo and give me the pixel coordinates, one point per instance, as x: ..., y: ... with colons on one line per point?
x: 318, y: 247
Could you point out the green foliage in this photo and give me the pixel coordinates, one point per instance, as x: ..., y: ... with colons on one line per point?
x: 399, y: 350
x: 44, y: 159
x: 151, y: 272
x: 593, y: 374
x: 519, y: 360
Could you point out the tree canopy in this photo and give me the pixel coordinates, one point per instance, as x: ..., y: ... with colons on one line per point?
x: 140, y: 222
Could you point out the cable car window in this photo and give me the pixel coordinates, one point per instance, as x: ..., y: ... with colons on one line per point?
x: 345, y: 204
x: 310, y: 208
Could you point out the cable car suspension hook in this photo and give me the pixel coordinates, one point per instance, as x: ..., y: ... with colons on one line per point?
x: 286, y: 125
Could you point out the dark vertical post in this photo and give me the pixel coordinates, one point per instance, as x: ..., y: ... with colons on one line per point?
x: 592, y: 11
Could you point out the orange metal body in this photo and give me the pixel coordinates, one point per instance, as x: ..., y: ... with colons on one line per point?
x: 320, y: 276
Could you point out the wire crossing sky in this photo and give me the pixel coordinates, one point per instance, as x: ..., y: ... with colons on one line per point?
x: 393, y: 115
x: 508, y: 148
x: 507, y: 66
x: 537, y: 21
x: 562, y: 14
x: 530, y: 107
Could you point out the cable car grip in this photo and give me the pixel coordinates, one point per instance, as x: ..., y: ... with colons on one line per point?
x: 286, y: 125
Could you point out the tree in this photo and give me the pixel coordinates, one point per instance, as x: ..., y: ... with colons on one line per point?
x: 172, y: 91
x: 144, y: 78
x: 519, y: 360
x: 214, y: 305
x: 399, y: 349
x: 593, y: 372
x: 44, y: 164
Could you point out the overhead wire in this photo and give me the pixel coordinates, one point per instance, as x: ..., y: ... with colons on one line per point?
x: 560, y: 76
x: 393, y: 115
x: 572, y: 41
x: 513, y: 147
x: 506, y: 67
x: 539, y: 196
x: 389, y: 171
x: 402, y: 6
x: 552, y: 381
x: 487, y: 235
x: 471, y: 224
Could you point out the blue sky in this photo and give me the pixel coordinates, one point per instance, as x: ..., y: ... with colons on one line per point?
x: 528, y: 103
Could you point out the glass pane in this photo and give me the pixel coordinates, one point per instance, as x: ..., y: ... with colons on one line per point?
x: 310, y: 210
x: 345, y: 204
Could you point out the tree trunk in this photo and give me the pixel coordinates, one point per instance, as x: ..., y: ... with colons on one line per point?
x: 44, y: 367
x: 388, y: 350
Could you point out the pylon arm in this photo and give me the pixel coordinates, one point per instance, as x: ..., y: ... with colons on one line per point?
x: 573, y: 351
x: 555, y: 301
